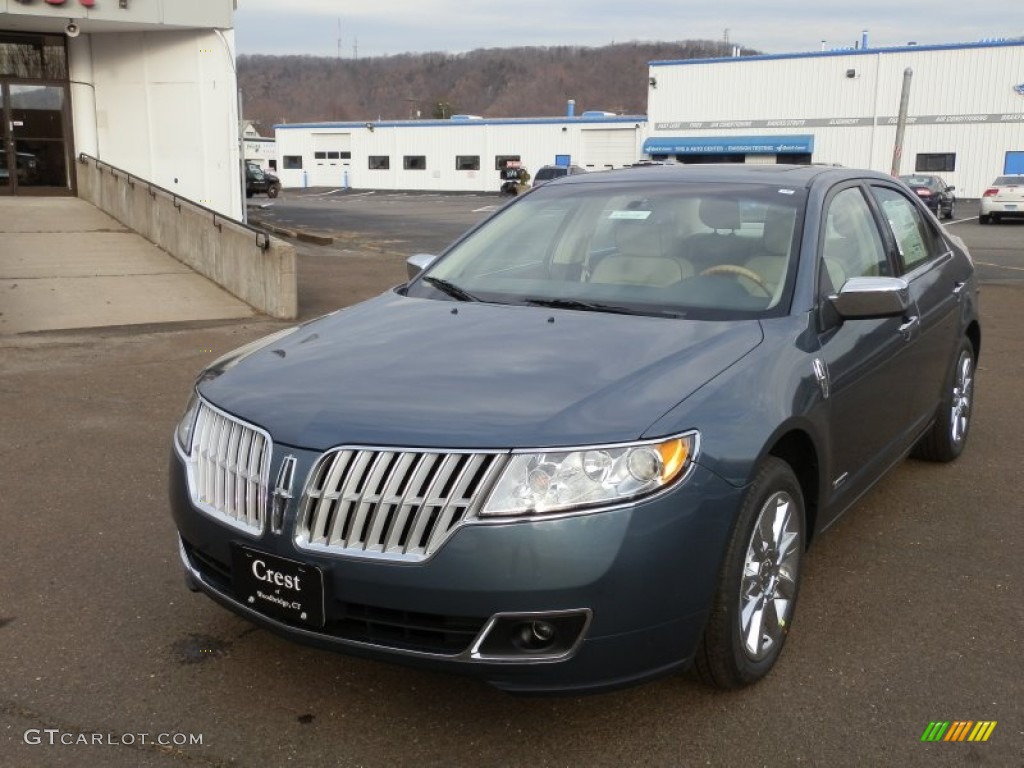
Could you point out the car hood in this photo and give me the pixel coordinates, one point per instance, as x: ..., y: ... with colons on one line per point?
x: 398, y: 371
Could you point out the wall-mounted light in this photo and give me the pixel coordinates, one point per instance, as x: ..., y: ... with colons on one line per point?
x: 653, y: 82
x: 369, y: 127
x: 122, y: 4
x: 851, y: 73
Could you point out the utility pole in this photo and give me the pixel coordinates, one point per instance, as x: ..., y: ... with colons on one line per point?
x: 339, y: 38
x: 901, y: 122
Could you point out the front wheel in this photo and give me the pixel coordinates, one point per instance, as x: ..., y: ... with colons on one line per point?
x: 947, y: 437
x: 984, y: 218
x: 758, y: 584
x: 951, y: 211
x: 273, y: 190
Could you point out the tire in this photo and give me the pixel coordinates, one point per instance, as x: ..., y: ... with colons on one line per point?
x: 248, y: 193
x: 273, y: 190
x: 983, y: 218
x: 761, y: 568
x: 950, y: 212
x: 946, y: 438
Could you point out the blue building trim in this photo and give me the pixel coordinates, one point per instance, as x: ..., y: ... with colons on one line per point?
x: 729, y: 145
x: 842, y: 52
x: 617, y: 119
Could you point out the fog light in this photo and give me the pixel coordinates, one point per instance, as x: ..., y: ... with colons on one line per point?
x: 536, y: 635
x: 527, y: 637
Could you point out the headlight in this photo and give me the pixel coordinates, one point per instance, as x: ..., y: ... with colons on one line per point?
x: 183, y: 434
x: 546, y: 482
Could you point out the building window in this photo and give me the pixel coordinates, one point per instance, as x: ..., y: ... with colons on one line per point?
x: 292, y: 162
x: 345, y: 155
x: 936, y: 162
x: 380, y: 162
x: 319, y: 155
x: 415, y: 162
x: 332, y: 155
x: 467, y: 162
x: 501, y: 160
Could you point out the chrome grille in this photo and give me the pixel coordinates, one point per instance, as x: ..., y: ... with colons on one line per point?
x: 228, y: 469
x: 401, y: 504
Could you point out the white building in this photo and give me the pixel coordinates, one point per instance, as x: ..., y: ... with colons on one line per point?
x: 461, y: 154
x: 259, y: 150
x: 147, y: 86
x: 966, y: 110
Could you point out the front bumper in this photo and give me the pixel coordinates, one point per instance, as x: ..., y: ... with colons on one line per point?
x: 643, y: 575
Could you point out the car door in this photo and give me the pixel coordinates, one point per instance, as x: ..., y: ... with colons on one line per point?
x: 925, y: 260
x: 865, y: 363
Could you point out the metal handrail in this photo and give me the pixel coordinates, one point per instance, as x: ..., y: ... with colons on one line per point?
x: 218, y: 218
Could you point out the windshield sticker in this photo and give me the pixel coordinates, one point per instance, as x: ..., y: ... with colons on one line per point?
x: 637, y: 215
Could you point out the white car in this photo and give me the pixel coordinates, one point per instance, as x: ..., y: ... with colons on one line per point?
x: 1003, y: 199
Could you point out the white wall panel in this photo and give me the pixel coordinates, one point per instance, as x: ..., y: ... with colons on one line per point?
x: 166, y: 110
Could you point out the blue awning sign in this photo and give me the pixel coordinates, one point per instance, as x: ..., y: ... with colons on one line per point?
x: 729, y: 145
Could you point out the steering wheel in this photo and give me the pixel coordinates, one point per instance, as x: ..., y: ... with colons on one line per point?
x: 738, y: 271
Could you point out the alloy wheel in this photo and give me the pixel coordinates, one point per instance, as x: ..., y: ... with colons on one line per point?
x: 963, y: 389
x: 770, y: 576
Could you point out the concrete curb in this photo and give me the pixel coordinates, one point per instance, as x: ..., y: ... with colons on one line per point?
x: 295, y: 234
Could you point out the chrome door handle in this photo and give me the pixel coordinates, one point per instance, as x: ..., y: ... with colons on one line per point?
x: 958, y: 289
x: 907, y: 329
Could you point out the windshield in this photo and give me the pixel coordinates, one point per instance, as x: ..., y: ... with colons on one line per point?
x: 704, y: 251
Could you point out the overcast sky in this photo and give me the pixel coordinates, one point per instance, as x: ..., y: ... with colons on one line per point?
x: 388, y: 27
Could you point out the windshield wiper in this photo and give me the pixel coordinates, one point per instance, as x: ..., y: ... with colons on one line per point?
x: 450, y: 288
x: 594, y: 306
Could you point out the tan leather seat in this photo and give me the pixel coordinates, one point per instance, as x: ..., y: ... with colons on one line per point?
x: 642, y: 256
x: 721, y: 245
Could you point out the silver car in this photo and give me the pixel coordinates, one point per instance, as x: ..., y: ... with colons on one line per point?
x: 1003, y: 199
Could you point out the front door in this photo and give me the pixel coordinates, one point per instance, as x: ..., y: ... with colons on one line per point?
x: 34, y: 139
x: 35, y: 135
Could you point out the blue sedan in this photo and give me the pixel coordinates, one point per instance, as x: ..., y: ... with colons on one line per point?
x: 590, y: 443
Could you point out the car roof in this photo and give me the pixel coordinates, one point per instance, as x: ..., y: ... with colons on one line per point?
x: 738, y: 173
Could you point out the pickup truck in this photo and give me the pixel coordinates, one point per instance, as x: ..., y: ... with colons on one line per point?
x: 258, y: 181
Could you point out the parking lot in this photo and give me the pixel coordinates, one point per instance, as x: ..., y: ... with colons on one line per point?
x: 911, y: 610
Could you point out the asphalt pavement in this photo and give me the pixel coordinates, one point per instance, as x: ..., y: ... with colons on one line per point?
x: 912, y: 608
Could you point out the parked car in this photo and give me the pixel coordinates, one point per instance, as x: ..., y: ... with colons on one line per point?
x: 258, y: 181
x: 589, y: 443
x: 934, y: 192
x: 1004, y: 199
x: 547, y: 173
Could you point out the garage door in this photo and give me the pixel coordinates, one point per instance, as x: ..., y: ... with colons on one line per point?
x: 332, y: 156
x: 609, y: 148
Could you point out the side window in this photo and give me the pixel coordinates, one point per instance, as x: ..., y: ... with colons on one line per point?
x: 916, y: 241
x: 851, y: 245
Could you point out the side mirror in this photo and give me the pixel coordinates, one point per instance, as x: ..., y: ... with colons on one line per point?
x: 950, y: 189
x: 417, y: 263
x: 862, y: 298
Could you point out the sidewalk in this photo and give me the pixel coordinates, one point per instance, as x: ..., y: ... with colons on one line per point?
x: 65, y: 264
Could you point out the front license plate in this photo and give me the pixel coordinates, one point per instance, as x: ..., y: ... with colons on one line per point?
x: 278, y: 587
x: 1011, y: 207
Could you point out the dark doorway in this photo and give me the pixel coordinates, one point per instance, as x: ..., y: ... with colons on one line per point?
x: 35, y: 138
